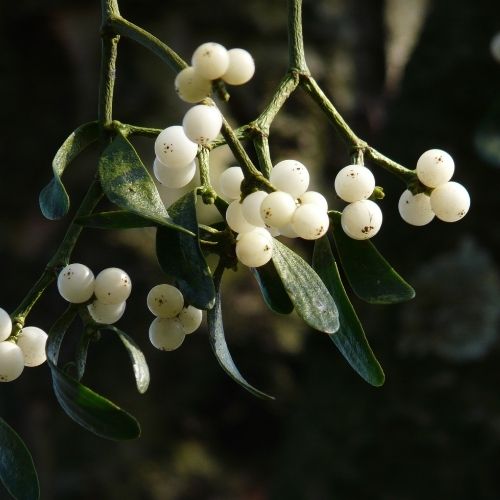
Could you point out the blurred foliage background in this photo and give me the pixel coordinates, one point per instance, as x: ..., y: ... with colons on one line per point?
x: 408, y: 75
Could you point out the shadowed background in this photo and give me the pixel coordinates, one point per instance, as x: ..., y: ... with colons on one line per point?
x: 408, y: 76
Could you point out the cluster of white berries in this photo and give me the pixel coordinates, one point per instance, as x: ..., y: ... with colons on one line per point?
x: 27, y: 349
x: 174, y: 319
x: 448, y: 201
x: 110, y: 289
x: 362, y: 218
x: 291, y: 211
x: 211, y: 61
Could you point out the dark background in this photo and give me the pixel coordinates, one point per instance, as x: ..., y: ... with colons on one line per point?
x: 408, y: 76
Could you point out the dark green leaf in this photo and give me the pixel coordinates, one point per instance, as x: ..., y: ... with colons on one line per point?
x: 81, y: 354
x: 180, y: 255
x: 17, y: 470
x: 127, y: 183
x: 309, y: 295
x: 54, y: 200
x: 117, y: 219
x: 92, y: 411
x: 218, y: 341
x: 141, y: 370
x: 371, y: 277
x: 272, y: 288
x: 350, y: 338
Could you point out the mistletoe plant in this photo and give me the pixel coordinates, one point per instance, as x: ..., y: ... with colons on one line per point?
x: 258, y: 204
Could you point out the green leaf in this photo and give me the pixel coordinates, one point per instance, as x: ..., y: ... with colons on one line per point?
x: 218, y: 341
x: 127, y: 183
x: 89, y: 409
x: 17, y: 470
x: 180, y: 255
x: 141, y: 370
x: 309, y: 295
x: 82, y: 350
x: 117, y: 219
x: 272, y: 288
x: 54, y: 200
x: 371, y: 277
x: 350, y: 338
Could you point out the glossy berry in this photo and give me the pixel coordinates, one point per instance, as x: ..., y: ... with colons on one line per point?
x: 202, y: 123
x: 310, y: 222
x: 290, y: 176
x: 174, y: 148
x: 191, y: 86
x: 450, y: 201
x: 235, y: 219
x: 241, y: 67
x: 76, y: 283
x: 435, y: 167
x: 361, y: 220
x: 277, y: 208
x: 415, y: 209
x: 106, y: 314
x: 495, y: 47
x: 250, y: 208
x: 354, y: 183
x: 11, y: 361
x: 112, y: 286
x: 230, y: 182
x: 174, y: 178
x: 190, y: 318
x: 254, y: 249
x: 314, y: 198
x: 165, y: 301
x: 32, y: 342
x: 5, y: 325
x: 166, y: 334
x: 210, y: 60
x: 288, y: 231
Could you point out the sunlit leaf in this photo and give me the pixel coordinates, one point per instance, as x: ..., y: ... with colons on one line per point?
x: 219, y: 345
x: 139, y: 364
x: 272, y: 288
x: 350, y: 338
x: 54, y: 200
x: 371, y: 277
x: 312, y: 300
x: 180, y: 255
x: 17, y: 470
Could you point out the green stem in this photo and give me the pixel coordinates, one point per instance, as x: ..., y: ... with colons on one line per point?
x: 261, y: 145
x: 109, y: 52
x: 297, y: 60
x: 123, y: 27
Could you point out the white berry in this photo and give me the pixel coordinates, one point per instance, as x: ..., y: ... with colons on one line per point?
x: 230, y: 182
x: 314, y: 198
x: 190, y: 318
x: 288, y: 231
x: 290, y: 176
x: 450, y: 201
x: 112, y: 286
x: 235, y: 219
x: 5, y: 325
x: 415, y: 209
x: 106, y: 314
x: 435, y: 167
x: 361, y: 220
x: 11, y: 361
x: 174, y: 178
x: 251, y: 208
x: 174, y: 148
x: 165, y: 301
x: 202, y: 123
x: 495, y: 47
x: 76, y: 283
x: 241, y: 67
x: 354, y: 183
x: 166, y: 334
x: 264, y: 231
x: 210, y: 60
x: 32, y: 342
x: 310, y: 222
x: 277, y: 208
x: 191, y: 86
x: 254, y: 249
